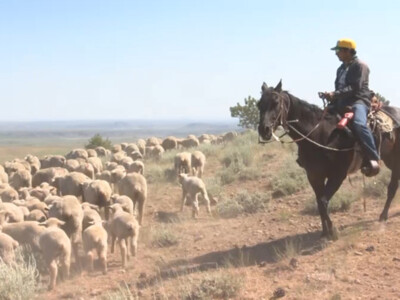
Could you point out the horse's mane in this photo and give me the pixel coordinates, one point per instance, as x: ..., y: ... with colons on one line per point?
x: 307, y: 108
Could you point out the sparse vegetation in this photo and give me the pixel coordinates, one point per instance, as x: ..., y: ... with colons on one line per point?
x: 289, y: 180
x: 20, y: 279
x: 215, y: 286
x: 243, y: 202
x: 163, y: 236
x: 123, y: 293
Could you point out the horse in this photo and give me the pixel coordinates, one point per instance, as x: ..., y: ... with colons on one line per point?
x: 327, y: 154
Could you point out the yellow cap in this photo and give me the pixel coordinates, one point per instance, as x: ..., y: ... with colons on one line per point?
x: 345, y: 43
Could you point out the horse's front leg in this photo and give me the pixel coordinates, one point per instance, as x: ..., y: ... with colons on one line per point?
x: 332, y: 185
x: 317, y: 183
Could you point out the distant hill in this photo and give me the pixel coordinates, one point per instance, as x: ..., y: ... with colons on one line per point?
x: 49, y: 132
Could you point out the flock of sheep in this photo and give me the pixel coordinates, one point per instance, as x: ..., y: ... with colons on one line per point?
x: 89, y: 198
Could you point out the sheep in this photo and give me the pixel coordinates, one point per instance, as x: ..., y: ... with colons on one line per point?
x: 55, y: 245
x: 126, y: 162
x: 135, y: 155
x: 136, y: 166
x: 141, y: 143
x: 91, y: 153
x: 118, y: 156
x: 90, y: 214
x: 123, y: 226
x: 204, y: 137
x: 51, y: 161
x: 192, y: 186
x: 94, y: 238
x: 71, y: 184
x: 72, y: 164
x: 110, y: 165
x: 68, y: 209
x: 156, y: 151
x: 25, y: 233
x: 198, y: 162
x: 77, y: 153
x: 20, y: 178
x: 7, y: 247
x: 96, y: 163
x: 131, y: 148
x: 8, y: 194
x: 101, y: 151
x: 86, y: 168
x: 47, y: 175
x: 170, y: 143
x: 125, y: 202
x: 36, y: 215
x: 153, y: 141
x: 134, y: 185
x: 3, y: 176
x: 12, y: 212
x: 229, y: 136
x: 97, y: 192
x: 34, y: 163
x: 183, y: 162
x: 189, y: 142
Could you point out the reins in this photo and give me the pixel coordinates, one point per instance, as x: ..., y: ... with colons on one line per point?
x: 282, y: 117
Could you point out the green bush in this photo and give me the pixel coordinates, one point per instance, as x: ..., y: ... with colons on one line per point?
x: 377, y: 187
x: 97, y: 140
x: 229, y: 208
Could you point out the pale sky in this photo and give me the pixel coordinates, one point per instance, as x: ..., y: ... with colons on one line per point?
x: 95, y: 60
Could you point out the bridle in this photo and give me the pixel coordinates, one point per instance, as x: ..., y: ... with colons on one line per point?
x: 281, y: 120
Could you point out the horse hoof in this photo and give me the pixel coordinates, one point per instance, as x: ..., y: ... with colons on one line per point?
x: 383, y: 218
x: 334, y: 236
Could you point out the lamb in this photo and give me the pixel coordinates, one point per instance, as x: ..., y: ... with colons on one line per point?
x: 183, y: 163
x: 47, y: 175
x: 125, y: 202
x: 7, y: 247
x: 55, y: 245
x: 8, y: 194
x: 20, y: 178
x: 135, y: 155
x: 95, y: 238
x: 68, y: 209
x: 137, y: 166
x: 134, y: 185
x: 25, y: 233
x: 92, y: 153
x: 123, y: 226
x: 71, y: 184
x: 36, y: 215
x: 50, y: 161
x: 77, y: 153
x: 192, y: 186
x: 198, y: 162
x: 90, y: 214
x: 10, y: 212
x: 97, y: 192
x: 34, y: 162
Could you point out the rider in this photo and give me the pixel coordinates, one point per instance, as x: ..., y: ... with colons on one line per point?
x: 351, y: 89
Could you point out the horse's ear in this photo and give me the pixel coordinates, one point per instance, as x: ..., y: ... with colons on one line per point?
x: 278, y: 88
x: 264, y: 87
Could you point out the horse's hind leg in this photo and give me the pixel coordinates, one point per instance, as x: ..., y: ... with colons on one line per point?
x: 391, y: 192
x: 317, y: 183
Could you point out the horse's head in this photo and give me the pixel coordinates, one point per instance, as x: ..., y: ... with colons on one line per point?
x: 273, y: 110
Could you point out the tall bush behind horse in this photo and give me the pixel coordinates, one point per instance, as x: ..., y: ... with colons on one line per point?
x: 326, y: 154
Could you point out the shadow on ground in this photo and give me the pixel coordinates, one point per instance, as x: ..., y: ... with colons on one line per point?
x: 269, y: 252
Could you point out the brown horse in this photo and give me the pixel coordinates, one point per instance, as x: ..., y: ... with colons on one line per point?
x: 326, y: 154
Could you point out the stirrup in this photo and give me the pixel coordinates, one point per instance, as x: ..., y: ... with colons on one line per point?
x: 372, y: 169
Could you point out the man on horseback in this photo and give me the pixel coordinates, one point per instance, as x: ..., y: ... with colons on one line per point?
x: 351, y: 90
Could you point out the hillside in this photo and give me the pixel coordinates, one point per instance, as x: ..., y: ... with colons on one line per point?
x: 263, y: 236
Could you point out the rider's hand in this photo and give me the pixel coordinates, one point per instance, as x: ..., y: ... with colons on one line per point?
x: 328, y: 95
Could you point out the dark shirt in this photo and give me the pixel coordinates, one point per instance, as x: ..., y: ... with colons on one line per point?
x: 355, y: 87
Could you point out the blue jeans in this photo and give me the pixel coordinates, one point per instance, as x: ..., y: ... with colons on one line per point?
x: 362, y: 131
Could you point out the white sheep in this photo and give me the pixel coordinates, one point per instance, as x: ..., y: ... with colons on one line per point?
x: 182, y: 163
x: 95, y: 239
x: 136, y: 166
x: 7, y: 247
x: 90, y: 214
x: 198, y: 162
x: 55, y: 246
x: 192, y: 186
x: 125, y: 202
x: 125, y: 227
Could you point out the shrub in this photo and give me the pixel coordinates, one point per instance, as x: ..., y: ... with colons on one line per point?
x: 377, y: 187
x: 164, y: 237
x: 216, y: 286
x: 97, y: 140
x: 19, y: 280
x: 289, y: 180
x: 340, y: 202
x: 123, y: 293
x: 243, y: 202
